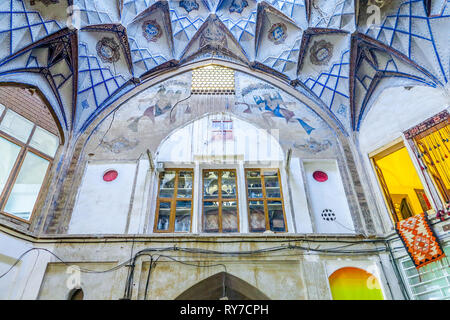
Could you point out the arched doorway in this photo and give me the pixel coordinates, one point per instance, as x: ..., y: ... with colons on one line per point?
x: 222, y: 286
x: 351, y: 283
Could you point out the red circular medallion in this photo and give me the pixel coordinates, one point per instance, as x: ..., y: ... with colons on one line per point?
x: 320, y: 176
x: 110, y: 175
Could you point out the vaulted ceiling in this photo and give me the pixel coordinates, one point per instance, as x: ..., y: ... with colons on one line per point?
x: 91, y: 52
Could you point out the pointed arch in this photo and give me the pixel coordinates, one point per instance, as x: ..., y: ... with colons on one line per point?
x: 221, y: 285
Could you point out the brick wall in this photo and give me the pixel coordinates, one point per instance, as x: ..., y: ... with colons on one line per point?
x: 29, y: 106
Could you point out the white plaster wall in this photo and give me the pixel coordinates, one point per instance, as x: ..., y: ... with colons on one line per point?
x: 102, y: 207
x: 24, y: 279
x: 397, y: 110
x: 303, y: 222
x: 328, y: 195
x: 140, y: 198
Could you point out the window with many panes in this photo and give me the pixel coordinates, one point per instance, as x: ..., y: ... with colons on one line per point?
x: 265, y: 200
x: 174, y: 206
x: 26, y: 155
x: 433, y: 283
x: 220, y: 201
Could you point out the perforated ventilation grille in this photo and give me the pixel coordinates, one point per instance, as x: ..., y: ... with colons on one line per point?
x: 213, y: 80
x: 328, y: 215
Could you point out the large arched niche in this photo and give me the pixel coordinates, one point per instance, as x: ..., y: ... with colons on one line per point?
x: 222, y: 285
x: 128, y: 128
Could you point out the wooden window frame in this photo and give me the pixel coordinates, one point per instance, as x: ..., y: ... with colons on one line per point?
x: 173, y: 202
x: 265, y: 199
x: 219, y: 199
x: 15, y: 171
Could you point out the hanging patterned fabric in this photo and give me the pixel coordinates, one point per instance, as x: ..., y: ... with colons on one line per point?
x: 420, y: 240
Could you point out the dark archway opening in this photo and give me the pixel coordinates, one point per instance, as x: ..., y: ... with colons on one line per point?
x: 222, y: 286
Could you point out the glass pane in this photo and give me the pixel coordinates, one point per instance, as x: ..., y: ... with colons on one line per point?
x: 2, y: 108
x: 430, y: 286
x: 167, y: 184
x: 9, y: 152
x: 163, y: 216
x: 184, y: 184
x: 183, y: 216
x: 16, y: 126
x: 229, y: 216
x: 276, y: 217
x: 44, y: 141
x: 27, y: 186
x: 210, y: 185
x: 211, y: 216
x: 254, y: 184
x: 434, y: 295
x: 257, y: 216
x: 228, y: 184
x: 272, y: 184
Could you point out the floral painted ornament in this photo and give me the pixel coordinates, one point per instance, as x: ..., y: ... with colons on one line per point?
x: 151, y: 30
x: 277, y: 33
x: 238, y: 6
x: 321, y: 52
x: 189, y: 5
x: 108, y: 50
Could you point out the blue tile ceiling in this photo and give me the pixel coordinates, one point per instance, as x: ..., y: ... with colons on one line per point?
x: 92, y: 52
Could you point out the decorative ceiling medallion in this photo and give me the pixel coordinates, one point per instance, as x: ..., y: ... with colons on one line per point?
x: 151, y: 30
x: 321, y: 52
x: 277, y: 33
x: 189, y: 5
x: 320, y: 176
x: 238, y: 6
x: 213, y: 36
x: 108, y: 50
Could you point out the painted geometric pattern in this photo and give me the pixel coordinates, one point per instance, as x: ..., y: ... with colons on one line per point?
x: 143, y: 60
x: 97, y: 12
x: 131, y: 8
x: 294, y: 9
x: 419, y: 239
x: 407, y: 29
x: 338, y: 14
x: 422, y: 39
x: 60, y: 76
x: 382, y: 62
x: 20, y: 27
x: 185, y: 25
x: 332, y: 83
x: 242, y: 25
x: 286, y: 62
x: 96, y: 82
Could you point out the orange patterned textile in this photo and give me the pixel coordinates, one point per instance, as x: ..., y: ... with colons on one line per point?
x: 420, y: 240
